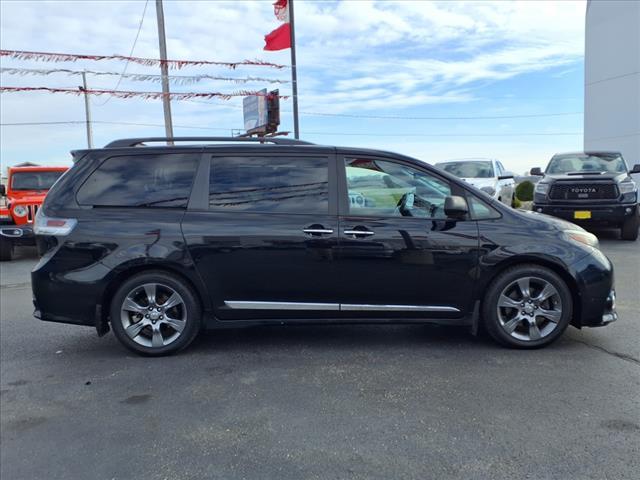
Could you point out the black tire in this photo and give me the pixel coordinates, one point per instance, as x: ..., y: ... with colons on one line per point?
x: 6, y: 249
x: 189, y: 308
x: 539, y: 274
x: 630, y: 228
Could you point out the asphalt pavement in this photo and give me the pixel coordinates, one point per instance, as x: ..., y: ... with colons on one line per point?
x: 329, y: 402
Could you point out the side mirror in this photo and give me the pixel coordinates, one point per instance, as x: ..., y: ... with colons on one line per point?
x: 635, y: 169
x: 536, y: 171
x: 3, y: 189
x: 455, y: 207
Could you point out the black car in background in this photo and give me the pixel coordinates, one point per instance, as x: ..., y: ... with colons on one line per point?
x: 590, y: 188
x: 159, y: 242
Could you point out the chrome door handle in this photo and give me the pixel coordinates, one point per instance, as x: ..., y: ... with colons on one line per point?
x: 359, y: 232
x: 318, y: 231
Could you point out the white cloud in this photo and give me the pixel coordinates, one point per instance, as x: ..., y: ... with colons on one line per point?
x: 353, y: 56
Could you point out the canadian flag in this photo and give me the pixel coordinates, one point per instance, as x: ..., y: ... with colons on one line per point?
x: 280, y: 38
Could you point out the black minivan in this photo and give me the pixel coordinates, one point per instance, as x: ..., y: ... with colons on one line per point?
x: 160, y: 242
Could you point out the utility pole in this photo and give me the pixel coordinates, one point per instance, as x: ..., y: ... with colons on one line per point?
x: 294, y: 74
x: 87, y: 110
x: 164, y: 71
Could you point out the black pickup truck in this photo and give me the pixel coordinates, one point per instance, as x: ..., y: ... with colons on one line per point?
x: 591, y: 189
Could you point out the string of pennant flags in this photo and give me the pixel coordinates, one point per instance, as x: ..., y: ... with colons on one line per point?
x: 143, y: 95
x: 148, y: 62
x: 139, y: 77
x: 126, y: 94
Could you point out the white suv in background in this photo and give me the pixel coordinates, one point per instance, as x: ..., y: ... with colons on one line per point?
x: 487, y: 174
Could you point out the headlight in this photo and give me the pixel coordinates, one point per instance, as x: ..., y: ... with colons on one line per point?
x: 490, y: 190
x: 20, y: 211
x: 582, y: 237
x: 542, y: 188
x: 628, y: 186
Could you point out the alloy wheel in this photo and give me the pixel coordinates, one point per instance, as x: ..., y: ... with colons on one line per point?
x: 529, y: 309
x: 153, y: 315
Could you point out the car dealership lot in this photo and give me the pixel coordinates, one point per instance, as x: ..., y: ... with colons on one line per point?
x: 320, y: 402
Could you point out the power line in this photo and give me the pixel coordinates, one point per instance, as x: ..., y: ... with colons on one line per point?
x: 536, y: 134
x: 77, y: 122
x: 402, y: 117
x: 470, y: 117
x: 429, y: 135
x: 126, y: 65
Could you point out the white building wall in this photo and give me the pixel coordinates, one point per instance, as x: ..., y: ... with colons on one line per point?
x: 612, y: 77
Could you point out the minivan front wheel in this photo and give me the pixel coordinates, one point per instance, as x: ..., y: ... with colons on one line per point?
x: 527, y: 306
x: 155, y: 313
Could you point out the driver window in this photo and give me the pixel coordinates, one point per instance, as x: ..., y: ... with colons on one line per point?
x: 383, y: 188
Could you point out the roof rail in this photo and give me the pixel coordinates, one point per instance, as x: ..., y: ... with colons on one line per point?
x: 134, y: 142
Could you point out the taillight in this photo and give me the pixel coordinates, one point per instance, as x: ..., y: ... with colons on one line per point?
x: 58, y: 227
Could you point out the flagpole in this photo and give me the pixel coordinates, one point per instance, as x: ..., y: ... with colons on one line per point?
x: 294, y: 74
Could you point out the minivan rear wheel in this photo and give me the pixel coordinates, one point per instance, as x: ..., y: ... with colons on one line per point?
x: 155, y: 313
x: 527, y: 306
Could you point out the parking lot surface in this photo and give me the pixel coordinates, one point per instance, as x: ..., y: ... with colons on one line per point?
x: 320, y: 402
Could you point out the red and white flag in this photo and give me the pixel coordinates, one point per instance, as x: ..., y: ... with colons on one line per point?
x: 280, y: 38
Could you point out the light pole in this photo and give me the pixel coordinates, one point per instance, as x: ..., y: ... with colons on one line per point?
x: 164, y: 71
x: 87, y: 110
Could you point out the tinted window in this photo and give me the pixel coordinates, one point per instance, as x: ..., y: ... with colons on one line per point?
x: 569, y: 163
x: 140, y: 180
x: 34, y: 180
x: 381, y: 188
x: 269, y: 184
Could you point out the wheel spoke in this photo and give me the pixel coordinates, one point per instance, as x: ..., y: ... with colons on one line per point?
x: 156, y: 338
x: 534, y: 332
x: 172, y: 301
x: 176, y: 324
x: 551, y: 315
x: 523, y: 285
x: 131, y: 306
x: 150, y: 290
x: 547, y: 292
x: 512, y: 324
x: 134, y: 329
x: 507, y: 302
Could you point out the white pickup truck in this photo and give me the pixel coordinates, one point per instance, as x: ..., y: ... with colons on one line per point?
x: 487, y: 174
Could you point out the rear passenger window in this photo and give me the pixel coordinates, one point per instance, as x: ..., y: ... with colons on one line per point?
x: 140, y: 180
x: 269, y: 184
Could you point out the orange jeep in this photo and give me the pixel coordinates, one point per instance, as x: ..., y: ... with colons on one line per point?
x: 24, y: 193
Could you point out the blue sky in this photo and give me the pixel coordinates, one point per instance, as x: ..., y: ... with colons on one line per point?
x: 382, y: 58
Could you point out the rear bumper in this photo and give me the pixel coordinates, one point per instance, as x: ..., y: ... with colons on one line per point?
x: 62, y: 293
x: 606, y: 215
x: 19, y: 234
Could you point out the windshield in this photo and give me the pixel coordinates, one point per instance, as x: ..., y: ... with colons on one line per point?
x: 469, y: 169
x: 34, y: 180
x: 561, y: 164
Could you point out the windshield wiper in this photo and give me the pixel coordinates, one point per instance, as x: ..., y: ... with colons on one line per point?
x: 589, y: 172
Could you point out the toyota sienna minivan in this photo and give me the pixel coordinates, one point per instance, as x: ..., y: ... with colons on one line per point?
x: 158, y: 242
